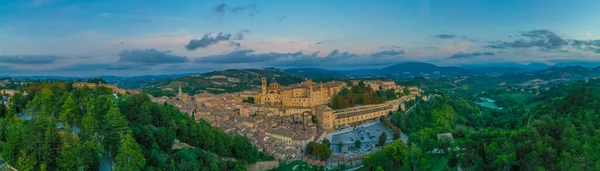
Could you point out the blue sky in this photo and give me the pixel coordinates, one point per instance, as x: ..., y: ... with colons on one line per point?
x: 135, y: 37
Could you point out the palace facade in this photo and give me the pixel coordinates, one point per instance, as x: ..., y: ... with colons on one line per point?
x: 305, y: 94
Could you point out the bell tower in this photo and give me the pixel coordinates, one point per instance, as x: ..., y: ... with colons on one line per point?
x: 180, y: 94
x: 264, y: 85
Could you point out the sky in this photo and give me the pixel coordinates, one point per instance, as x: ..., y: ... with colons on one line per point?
x: 142, y: 37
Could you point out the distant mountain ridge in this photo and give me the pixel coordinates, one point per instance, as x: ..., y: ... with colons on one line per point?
x: 408, y: 70
x: 427, y: 70
x: 234, y: 80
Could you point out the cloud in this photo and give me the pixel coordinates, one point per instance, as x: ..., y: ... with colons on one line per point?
x: 281, y: 18
x: 488, y: 53
x: 243, y: 56
x: 543, y: 39
x: 334, y: 52
x: 223, y: 9
x: 28, y: 59
x: 207, y: 40
x: 460, y: 55
x: 546, y: 41
x: 388, y: 53
x: 341, y: 59
x: 449, y: 36
x: 321, y: 42
x: 395, y: 46
x: 588, y: 45
x: 299, y: 59
x: 234, y: 44
x: 97, y: 67
x: 220, y: 9
x: 149, y: 57
x: 240, y: 35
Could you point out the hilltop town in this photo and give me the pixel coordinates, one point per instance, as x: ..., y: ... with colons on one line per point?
x: 279, y: 120
x: 282, y: 120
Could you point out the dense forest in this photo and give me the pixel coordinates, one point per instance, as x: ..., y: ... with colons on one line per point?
x: 361, y: 94
x: 561, y: 132
x: 56, y: 127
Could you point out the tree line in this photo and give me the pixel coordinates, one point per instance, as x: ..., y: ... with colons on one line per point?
x: 361, y: 94
x: 56, y: 127
x: 561, y: 133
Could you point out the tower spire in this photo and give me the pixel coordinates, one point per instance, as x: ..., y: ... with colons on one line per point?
x: 264, y: 85
x: 180, y: 94
x: 321, y: 86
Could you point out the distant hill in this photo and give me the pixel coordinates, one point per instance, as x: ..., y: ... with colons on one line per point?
x: 526, y: 68
x: 360, y: 72
x: 408, y: 70
x: 415, y: 69
x: 313, y: 72
x: 554, y: 73
x: 235, y: 80
x: 133, y: 82
x: 227, y: 81
x: 496, y: 71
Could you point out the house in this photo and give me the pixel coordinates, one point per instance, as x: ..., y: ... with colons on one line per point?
x: 7, y: 91
x: 84, y: 84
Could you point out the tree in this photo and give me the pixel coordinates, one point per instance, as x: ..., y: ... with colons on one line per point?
x: 214, y: 166
x: 137, y: 109
x: 10, y: 150
x: 357, y: 144
x: 249, y: 100
x: 3, y: 110
x: 25, y: 161
x: 326, y: 142
x: 340, y: 145
x: 115, y: 126
x: 129, y: 156
x: 406, y: 91
x: 156, y: 159
x: 96, y: 80
x: 396, y: 135
x: 243, y: 149
x: 69, y: 111
x: 379, y: 168
x: 165, y: 137
x: 414, y: 156
x: 68, y: 158
x: 323, y: 152
x: 382, y: 139
x: 309, y: 149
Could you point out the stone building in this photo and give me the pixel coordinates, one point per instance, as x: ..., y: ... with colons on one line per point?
x: 7, y: 91
x: 121, y: 91
x: 183, y: 96
x: 84, y: 84
x: 325, y: 116
x: 362, y: 113
x: 305, y: 94
x: 379, y: 84
x: 114, y: 87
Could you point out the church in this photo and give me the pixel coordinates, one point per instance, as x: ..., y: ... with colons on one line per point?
x: 305, y: 94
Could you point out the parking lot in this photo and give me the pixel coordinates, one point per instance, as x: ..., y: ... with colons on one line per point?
x: 369, y: 137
